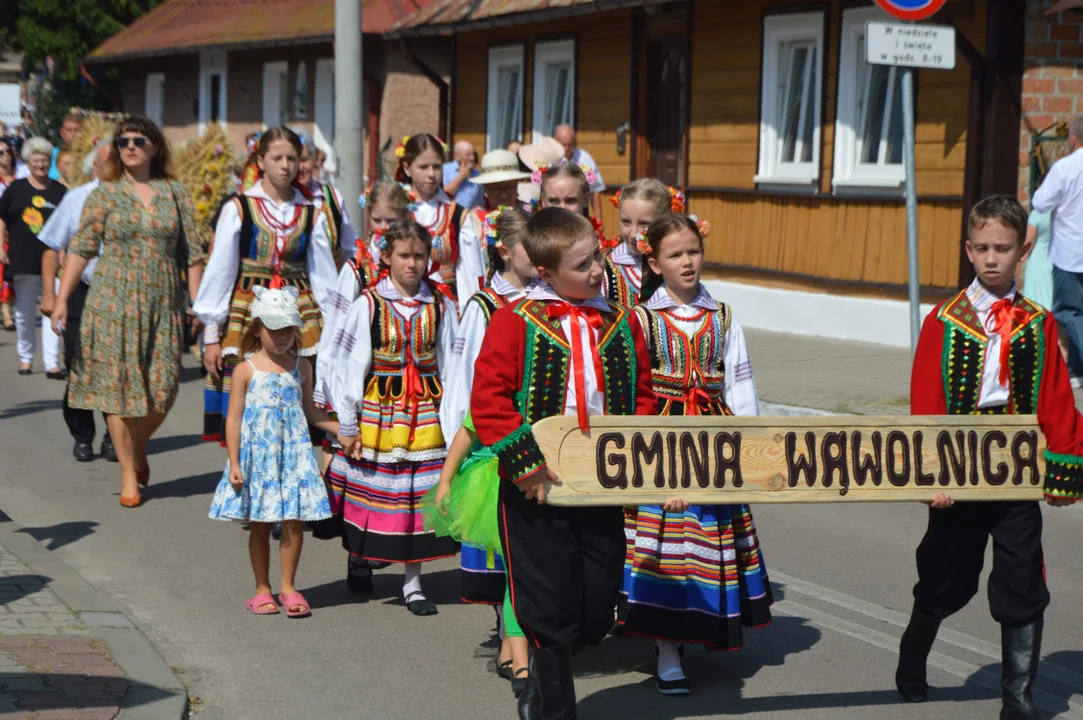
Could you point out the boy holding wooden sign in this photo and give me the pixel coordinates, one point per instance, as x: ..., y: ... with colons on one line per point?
x: 561, y: 350
x: 990, y: 351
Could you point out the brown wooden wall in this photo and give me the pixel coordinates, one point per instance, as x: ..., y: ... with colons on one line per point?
x: 831, y: 238
x: 603, y: 82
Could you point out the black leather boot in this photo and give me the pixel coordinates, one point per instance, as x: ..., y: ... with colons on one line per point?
x: 551, y: 670
x: 914, y: 649
x: 530, y: 698
x: 1020, y: 649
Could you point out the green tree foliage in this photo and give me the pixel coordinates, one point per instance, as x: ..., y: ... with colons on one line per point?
x: 66, y: 31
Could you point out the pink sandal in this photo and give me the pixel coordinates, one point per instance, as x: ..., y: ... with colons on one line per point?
x: 288, y: 600
x: 255, y: 605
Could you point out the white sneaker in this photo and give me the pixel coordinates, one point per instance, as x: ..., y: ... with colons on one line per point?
x: 1077, y: 382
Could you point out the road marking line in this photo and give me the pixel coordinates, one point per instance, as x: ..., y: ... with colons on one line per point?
x: 1046, y: 669
x: 967, y: 671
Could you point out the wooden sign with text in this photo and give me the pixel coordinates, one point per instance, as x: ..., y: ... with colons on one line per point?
x: 732, y: 460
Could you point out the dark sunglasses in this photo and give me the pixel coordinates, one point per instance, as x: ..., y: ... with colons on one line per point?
x: 5, y: 152
x: 124, y: 142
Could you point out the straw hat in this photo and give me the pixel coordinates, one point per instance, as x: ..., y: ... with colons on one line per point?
x: 546, y: 151
x: 499, y: 166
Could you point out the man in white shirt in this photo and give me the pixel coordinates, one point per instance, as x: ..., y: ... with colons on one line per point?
x: 1061, y: 193
x: 565, y: 135
x: 56, y: 234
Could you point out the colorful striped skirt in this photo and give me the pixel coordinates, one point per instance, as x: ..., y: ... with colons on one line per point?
x: 379, y: 505
x: 694, y: 577
x: 483, y: 575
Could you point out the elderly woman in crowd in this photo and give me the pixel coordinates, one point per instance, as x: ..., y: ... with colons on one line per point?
x: 141, y: 221
x: 24, y: 208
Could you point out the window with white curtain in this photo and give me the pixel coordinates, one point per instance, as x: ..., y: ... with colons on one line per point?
x: 554, y: 86
x: 790, y: 101
x: 154, y: 100
x: 868, y: 131
x: 505, y: 101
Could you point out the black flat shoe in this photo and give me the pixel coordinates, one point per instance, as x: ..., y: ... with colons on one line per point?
x: 422, y: 607
x: 10, y: 328
x: 519, y: 680
x: 57, y: 374
x: 83, y: 452
x: 109, y: 453
x: 679, y: 686
x: 26, y: 371
x: 504, y: 670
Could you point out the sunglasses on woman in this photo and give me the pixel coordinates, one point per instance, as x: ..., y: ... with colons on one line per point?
x: 124, y: 142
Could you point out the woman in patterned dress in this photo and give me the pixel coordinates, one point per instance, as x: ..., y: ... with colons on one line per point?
x: 128, y: 366
x: 692, y: 574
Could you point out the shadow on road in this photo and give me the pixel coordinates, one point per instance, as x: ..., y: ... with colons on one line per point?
x: 29, y: 408
x: 56, y: 692
x: 62, y: 534
x: 1055, y: 694
x: 182, y: 487
x: 441, y: 587
x: 173, y: 442
x: 17, y: 587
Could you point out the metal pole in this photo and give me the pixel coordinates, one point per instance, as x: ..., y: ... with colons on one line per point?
x: 911, y: 206
x: 349, y: 108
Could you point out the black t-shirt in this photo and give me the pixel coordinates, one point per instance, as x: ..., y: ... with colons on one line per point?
x: 24, y: 210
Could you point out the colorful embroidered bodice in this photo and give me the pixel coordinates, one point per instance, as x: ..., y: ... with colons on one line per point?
x: 265, y: 242
x: 445, y: 240
x: 489, y: 301
x: 621, y: 283
x: 688, y: 371
x: 965, y: 342
x: 398, y: 341
x: 545, y: 375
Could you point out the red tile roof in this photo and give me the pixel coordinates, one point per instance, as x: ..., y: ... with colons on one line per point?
x: 186, y: 25
x: 444, y: 16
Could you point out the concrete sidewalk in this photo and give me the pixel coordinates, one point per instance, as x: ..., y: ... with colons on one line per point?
x: 65, y: 651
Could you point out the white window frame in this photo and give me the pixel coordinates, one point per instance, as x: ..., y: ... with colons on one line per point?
x: 154, y: 98
x: 545, y: 54
x: 212, y: 62
x: 323, y: 110
x: 273, y: 75
x: 507, y: 56
x: 777, y: 30
x: 849, y: 171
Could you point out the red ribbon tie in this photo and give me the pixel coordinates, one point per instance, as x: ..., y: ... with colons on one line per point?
x: 1005, y: 316
x: 593, y: 318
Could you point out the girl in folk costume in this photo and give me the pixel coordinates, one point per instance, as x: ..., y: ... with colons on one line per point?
x: 483, y: 576
x: 328, y: 202
x: 271, y: 236
x: 385, y: 203
x: 639, y: 204
x: 397, y: 337
x: 566, y: 186
x: 456, y: 248
x: 692, y: 574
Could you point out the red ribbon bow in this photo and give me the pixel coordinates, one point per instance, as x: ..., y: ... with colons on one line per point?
x: 412, y: 392
x: 1005, y: 315
x: 593, y: 318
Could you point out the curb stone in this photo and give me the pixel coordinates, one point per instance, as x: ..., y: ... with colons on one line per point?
x: 155, y: 692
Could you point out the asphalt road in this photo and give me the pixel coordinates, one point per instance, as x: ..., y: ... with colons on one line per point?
x: 842, y: 574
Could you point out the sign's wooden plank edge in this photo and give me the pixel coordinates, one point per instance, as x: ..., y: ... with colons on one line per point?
x: 565, y: 496
x: 568, y: 423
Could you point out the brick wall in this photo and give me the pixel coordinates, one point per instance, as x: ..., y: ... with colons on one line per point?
x: 1052, y: 78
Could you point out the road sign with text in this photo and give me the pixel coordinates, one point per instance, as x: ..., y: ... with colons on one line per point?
x: 921, y: 46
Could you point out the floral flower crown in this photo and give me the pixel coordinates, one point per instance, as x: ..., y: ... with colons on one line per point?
x: 677, y: 202
x: 643, y: 245
x: 413, y: 200
x: 366, y: 198
x: 588, y: 172
x: 703, y: 225
x: 379, y: 240
x: 400, y: 148
x: 492, y: 235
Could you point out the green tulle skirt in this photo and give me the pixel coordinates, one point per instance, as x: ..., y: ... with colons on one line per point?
x: 469, y: 510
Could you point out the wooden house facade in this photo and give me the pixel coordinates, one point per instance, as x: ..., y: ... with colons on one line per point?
x: 767, y: 115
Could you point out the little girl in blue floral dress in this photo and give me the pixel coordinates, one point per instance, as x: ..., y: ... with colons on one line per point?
x: 272, y: 475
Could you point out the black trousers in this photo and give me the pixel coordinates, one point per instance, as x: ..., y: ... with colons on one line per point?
x: 564, y: 568
x: 80, y: 422
x: 950, y: 560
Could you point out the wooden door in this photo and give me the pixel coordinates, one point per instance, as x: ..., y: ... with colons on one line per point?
x: 663, y: 66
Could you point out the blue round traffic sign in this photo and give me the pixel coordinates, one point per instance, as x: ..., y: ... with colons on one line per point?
x: 911, y: 9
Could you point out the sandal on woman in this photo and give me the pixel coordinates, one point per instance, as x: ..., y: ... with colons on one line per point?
x: 258, y: 605
x: 422, y: 607
x: 131, y: 502
x: 294, y: 599
x: 519, y: 680
x: 504, y: 670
